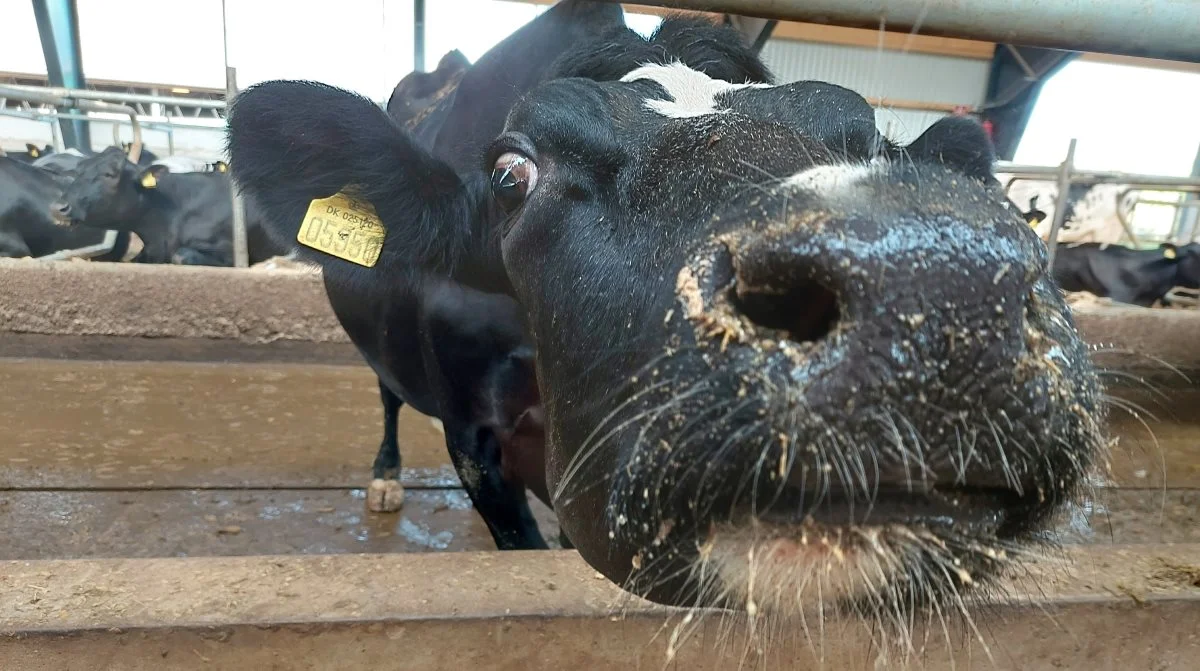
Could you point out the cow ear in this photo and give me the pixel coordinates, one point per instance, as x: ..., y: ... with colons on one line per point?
x: 148, y: 178
x: 291, y: 143
x: 958, y: 143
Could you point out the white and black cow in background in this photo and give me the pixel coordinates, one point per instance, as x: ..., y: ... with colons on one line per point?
x: 1092, y: 211
x: 776, y: 360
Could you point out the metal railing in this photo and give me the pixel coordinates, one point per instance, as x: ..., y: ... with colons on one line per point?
x: 1154, y: 28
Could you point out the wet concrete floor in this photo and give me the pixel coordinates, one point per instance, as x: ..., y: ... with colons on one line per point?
x: 86, y: 425
x: 128, y: 459
x: 190, y: 523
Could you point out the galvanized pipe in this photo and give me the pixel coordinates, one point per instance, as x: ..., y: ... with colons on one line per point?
x: 99, y: 249
x: 165, y: 126
x: 241, y: 248
x: 1090, y: 177
x: 136, y: 98
x: 1153, y: 28
x: 1060, y: 205
x: 48, y: 97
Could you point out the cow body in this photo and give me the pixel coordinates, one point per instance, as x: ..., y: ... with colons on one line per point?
x: 184, y: 218
x: 1137, y: 276
x: 734, y: 390
x: 451, y: 351
x: 26, y: 225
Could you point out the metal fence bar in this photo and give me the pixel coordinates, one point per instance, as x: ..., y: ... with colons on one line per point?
x: 241, y: 249
x: 1154, y: 28
x: 1060, y: 205
x: 132, y: 98
x: 48, y: 97
x: 165, y: 126
x: 1091, y: 177
x: 99, y: 249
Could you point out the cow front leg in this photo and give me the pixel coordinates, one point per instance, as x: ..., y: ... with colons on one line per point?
x: 475, y: 453
x: 385, y: 494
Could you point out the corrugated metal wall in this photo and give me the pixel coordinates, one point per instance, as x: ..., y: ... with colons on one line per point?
x: 891, y: 74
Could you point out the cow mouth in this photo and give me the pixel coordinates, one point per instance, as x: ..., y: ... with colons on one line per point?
x: 975, y: 511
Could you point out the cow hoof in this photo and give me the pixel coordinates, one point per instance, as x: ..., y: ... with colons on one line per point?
x: 385, y: 496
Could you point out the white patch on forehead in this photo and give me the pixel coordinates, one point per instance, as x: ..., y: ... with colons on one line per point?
x: 830, y: 180
x: 692, y: 92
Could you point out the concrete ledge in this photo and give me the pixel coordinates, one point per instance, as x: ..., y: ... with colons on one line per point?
x: 148, y: 301
x: 1149, y: 341
x: 1112, y: 608
x: 207, y: 310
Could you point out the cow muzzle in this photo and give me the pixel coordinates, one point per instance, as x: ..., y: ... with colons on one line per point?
x: 890, y: 391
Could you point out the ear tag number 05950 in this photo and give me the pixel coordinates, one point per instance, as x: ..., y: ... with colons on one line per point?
x: 343, y: 226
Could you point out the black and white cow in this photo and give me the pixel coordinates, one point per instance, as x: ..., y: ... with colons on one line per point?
x: 1138, y: 276
x: 26, y: 226
x: 780, y: 359
x: 182, y: 217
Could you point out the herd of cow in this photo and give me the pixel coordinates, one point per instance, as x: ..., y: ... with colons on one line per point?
x: 1138, y: 276
x: 753, y: 353
x: 180, y: 209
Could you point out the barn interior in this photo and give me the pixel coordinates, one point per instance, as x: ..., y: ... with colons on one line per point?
x: 185, y: 450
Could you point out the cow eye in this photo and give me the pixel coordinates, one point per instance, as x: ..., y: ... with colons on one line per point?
x: 513, y: 178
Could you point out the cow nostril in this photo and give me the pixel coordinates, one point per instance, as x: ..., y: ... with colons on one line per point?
x: 807, y: 311
x: 63, y: 208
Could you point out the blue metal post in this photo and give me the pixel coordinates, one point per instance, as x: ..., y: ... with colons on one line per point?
x: 58, y: 26
x: 419, y: 35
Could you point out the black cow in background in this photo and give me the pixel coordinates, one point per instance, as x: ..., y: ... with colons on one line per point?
x: 184, y: 218
x: 26, y: 225
x: 32, y: 153
x: 419, y: 93
x: 1137, y: 276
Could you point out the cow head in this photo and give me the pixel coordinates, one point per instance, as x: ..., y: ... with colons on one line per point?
x: 1188, y: 268
x: 107, y: 191
x: 781, y: 358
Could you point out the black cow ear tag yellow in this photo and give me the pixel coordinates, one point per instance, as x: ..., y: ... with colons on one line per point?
x: 1034, y: 222
x: 343, y: 226
x: 34, y: 153
x: 149, y: 181
x: 1169, y: 252
x: 220, y: 166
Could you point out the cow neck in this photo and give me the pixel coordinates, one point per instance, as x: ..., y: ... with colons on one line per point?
x: 153, y: 219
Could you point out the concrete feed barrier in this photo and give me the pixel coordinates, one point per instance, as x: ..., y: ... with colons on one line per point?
x: 272, y: 307
x: 1103, y: 608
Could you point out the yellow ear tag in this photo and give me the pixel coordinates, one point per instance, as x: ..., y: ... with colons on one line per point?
x: 221, y: 167
x: 1169, y: 253
x: 1035, y: 222
x: 34, y: 153
x: 345, y: 227
x: 149, y: 181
